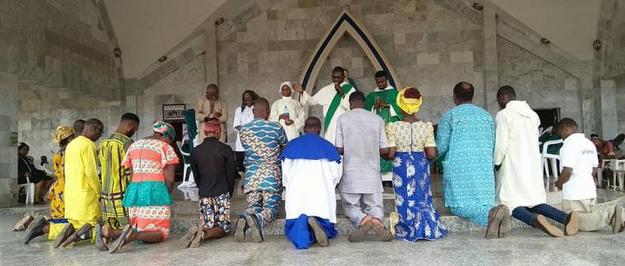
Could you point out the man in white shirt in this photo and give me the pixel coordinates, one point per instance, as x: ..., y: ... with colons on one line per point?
x: 334, y: 98
x: 519, y: 177
x: 578, y: 157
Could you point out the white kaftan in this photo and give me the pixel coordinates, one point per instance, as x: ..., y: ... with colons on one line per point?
x: 324, y: 98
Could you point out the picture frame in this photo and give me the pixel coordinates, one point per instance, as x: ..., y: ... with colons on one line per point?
x: 173, y: 112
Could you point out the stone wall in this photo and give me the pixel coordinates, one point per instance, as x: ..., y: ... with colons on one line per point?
x: 59, y: 54
x: 538, y: 82
x: 431, y: 45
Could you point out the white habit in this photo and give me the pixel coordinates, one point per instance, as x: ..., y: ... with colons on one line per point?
x: 295, y: 111
x: 520, y: 178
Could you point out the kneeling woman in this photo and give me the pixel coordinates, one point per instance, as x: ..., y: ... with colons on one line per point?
x: 152, y: 161
x: 412, y: 146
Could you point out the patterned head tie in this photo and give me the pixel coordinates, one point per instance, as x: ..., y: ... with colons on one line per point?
x: 212, y: 126
x: 287, y: 83
x: 165, y: 129
x: 62, y: 133
x: 409, y: 100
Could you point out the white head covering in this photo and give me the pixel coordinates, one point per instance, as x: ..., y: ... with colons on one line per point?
x: 288, y: 84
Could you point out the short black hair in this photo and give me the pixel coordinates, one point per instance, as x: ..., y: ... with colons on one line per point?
x: 212, y: 85
x: 338, y: 69
x: 567, y: 123
x: 22, y: 145
x: 130, y: 117
x: 94, y: 122
x: 79, y: 126
x: 381, y: 74
x: 507, y: 91
x: 312, y: 122
x: 464, y: 91
x: 357, y: 96
x: 593, y: 135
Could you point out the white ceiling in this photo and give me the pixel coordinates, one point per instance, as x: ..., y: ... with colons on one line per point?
x: 569, y: 24
x: 148, y: 29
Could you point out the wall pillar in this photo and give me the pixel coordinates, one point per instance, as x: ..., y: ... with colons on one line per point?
x: 8, y: 151
x: 210, y: 36
x: 491, y: 72
x: 608, y: 122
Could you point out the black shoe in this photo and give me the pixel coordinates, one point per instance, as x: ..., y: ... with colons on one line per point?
x: 35, y: 229
x: 255, y: 229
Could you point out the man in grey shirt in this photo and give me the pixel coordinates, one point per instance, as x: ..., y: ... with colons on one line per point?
x: 361, y: 138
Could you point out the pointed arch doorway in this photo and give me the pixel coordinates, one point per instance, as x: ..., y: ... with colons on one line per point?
x: 346, y: 25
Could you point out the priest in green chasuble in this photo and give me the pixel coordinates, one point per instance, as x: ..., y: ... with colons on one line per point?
x: 383, y: 102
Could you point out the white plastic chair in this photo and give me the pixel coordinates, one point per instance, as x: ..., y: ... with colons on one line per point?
x: 29, y: 189
x: 618, y: 172
x: 187, y: 177
x: 550, y: 162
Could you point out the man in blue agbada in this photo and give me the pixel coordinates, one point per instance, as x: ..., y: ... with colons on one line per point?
x: 466, y: 140
x: 311, y: 170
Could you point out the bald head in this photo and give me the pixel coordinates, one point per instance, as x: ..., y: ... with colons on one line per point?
x: 312, y: 125
x: 463, y: 92
x: 261, y: 108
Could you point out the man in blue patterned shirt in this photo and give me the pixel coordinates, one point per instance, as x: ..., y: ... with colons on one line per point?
x: 263, y: 141
x: 466, y: 141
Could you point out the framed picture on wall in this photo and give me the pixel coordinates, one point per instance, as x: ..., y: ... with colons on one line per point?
x: 173, y: 111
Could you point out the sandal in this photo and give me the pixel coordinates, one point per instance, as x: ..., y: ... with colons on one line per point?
x: 121, y: 240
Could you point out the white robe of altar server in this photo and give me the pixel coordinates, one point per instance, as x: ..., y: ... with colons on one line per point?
x: 310, y: 187
x: 324, y: 98
x: 295, y: 111
x: 520, y: 178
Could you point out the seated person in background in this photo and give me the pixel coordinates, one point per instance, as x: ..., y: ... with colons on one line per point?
x: 579, y: 162
x: 26, y: 169
x: 604, y: 148
x: 214, y: 170
x: 616, y: 143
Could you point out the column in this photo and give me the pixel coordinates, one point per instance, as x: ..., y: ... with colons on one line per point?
x: 491, y: 73
x: 8, y: 150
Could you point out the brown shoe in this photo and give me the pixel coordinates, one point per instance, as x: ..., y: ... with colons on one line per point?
x: 361, y: 233
x: 67, y: 231
x: 121, y: 240
x: 76, y: 236
x: 505, y: 229
x: 617, y: 220
x: 186, y: 240
x: 23, y: 223
x: 199, y: 236
x: 320, y: 234
x: 572, y: 224
x: 541, y: 223
x: 381, y: 233
x: 495, y: 215
x: 100, y: 241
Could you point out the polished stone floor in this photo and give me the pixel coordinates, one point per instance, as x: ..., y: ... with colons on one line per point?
x: 525, y: 247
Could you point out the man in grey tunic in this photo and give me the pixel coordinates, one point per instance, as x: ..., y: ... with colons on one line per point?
x: 361, y: 138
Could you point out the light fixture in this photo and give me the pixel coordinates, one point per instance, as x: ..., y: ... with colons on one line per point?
x: 117, y: 52
x: 219, y: 21
x: 545, y: 41
x: 478, y: 6
x: 596, y: 45
x: 162, y: 59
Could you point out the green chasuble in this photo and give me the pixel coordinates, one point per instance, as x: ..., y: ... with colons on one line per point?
x: 389, y: 114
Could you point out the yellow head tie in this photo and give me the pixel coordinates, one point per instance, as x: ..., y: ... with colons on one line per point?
x: 62, y: 132
x: 408, y: 105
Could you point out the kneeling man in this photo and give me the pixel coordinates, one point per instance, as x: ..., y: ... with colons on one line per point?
x: 311, y: 170
x: 214, y: 170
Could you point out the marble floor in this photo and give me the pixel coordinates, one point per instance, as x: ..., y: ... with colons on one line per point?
x: 525, y: 247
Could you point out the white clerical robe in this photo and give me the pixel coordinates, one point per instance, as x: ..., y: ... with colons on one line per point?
x: 520, y: 178
x: 295, y: 111
x: 324, y: 98
x: 310, y: 187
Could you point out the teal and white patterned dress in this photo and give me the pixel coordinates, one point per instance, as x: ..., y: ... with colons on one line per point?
x: 466, y: 140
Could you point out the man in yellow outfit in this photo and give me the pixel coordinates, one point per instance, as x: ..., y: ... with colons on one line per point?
x: 82, y: 186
